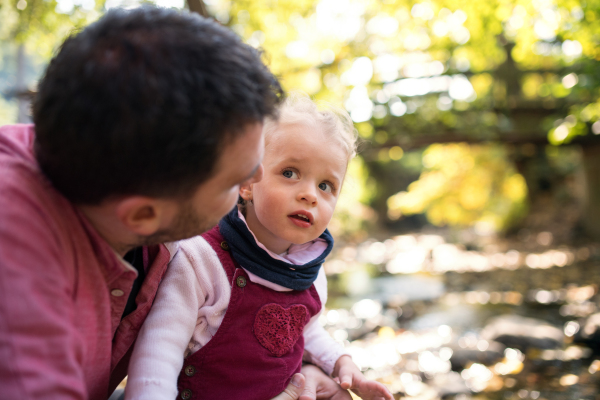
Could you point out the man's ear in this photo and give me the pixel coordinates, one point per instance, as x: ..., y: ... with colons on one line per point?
x: 246, y: 191
x: 142, y: 215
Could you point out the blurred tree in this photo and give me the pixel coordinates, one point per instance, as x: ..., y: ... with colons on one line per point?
x: 522, y: 74
x: 515, y: 73
x: 198, y: 7
x: 31, y: 30
x: 464, y: 185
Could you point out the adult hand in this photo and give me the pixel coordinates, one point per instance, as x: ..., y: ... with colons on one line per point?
x: 320, y: 386
x: 293, y: 390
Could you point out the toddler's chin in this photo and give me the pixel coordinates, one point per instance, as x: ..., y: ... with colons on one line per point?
x: 303, y: 240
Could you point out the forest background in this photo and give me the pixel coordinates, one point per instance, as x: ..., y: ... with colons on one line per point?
x: 471, y: 114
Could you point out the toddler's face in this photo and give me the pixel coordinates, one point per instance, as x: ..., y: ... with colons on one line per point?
x: 303, y: 175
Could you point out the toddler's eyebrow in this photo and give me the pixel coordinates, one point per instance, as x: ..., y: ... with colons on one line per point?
x: 294, y: 159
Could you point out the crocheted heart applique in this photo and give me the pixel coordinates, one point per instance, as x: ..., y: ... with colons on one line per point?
x: 278, y: 329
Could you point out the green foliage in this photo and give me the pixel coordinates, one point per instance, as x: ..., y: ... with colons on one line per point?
x: 8, y: 111
x: 464, y: 185
x: 410, y: 73
x: 42, y: 24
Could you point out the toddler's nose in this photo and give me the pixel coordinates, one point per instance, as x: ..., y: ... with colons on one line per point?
x: 307, y: 194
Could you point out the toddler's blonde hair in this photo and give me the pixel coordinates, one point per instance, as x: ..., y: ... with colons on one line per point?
x: 300, y: 109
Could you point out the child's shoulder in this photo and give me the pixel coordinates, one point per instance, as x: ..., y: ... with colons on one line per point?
x: 194, y: 245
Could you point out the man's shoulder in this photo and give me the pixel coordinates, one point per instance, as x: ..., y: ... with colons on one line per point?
x: 17, y: 141
x: 17, y: 161
x: 27, y: 199
x: 21, y: 176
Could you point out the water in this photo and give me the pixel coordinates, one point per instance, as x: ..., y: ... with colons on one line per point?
x: 499, y: 320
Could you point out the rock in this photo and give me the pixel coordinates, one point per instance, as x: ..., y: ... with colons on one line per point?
x: 463, y: 357
x: 412, y: 288
x: 589, y: 333
x: 523, y: 333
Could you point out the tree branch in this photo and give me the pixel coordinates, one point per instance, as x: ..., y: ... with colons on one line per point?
x: 198, y: 7
x: 514, y: 138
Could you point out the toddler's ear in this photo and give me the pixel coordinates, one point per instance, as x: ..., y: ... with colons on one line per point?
x: 246, y: 192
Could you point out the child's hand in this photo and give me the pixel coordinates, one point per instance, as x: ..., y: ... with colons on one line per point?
x: 321, y: 386
x: 350, y: 377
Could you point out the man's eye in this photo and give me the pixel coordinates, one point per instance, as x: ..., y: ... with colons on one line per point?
x: 325, y: 187
x: 290, y: 174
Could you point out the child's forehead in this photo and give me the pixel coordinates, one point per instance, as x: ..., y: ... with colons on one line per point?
x: 308, y: 133
x: 302, y: 136
x: 301, y: 145
x: 291, y: 128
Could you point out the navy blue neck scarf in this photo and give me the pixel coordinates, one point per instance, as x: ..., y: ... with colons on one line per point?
x: 256, y: 260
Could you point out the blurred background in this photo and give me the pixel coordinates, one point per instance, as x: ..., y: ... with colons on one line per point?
x: 468, y: 235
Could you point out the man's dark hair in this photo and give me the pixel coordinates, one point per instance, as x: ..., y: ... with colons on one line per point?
x: 143, y: 102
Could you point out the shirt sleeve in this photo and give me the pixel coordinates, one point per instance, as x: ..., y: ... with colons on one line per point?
x: 40, y: 347
x: 319, y: 347
x: 165, y: 336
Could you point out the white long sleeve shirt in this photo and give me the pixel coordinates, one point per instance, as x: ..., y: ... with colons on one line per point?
x: 189, y: 307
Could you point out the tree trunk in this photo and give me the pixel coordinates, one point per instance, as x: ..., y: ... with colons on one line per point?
x: 23, y: 102
x: 591, y: 206
x: 197, y: 6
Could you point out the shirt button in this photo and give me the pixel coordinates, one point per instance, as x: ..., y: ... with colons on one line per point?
x: 186, y: 394
x: 225, y: 246
x: 189, y: 370
x: 117, y: 292
x: 240, y: 281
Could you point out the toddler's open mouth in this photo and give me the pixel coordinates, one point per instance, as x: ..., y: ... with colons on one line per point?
x: 303, y: 219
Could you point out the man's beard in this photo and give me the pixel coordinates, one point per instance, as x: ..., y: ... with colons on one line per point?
x: 187, y: 223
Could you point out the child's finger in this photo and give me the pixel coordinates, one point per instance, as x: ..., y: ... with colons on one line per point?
x: 375, y: 390
x: 387, y: 395
x: 346, y: 381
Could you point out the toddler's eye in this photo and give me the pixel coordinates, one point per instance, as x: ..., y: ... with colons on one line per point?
x: 290, y: 174
x: 325, y: 187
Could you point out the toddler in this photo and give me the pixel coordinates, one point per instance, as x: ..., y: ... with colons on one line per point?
x: 238, y: 306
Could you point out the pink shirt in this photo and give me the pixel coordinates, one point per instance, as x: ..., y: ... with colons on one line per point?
x: 62, y: 288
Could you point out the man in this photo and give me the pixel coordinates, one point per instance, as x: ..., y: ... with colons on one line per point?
x: 146, y: 123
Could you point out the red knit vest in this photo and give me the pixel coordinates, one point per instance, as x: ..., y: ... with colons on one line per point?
x: 258, y: 346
